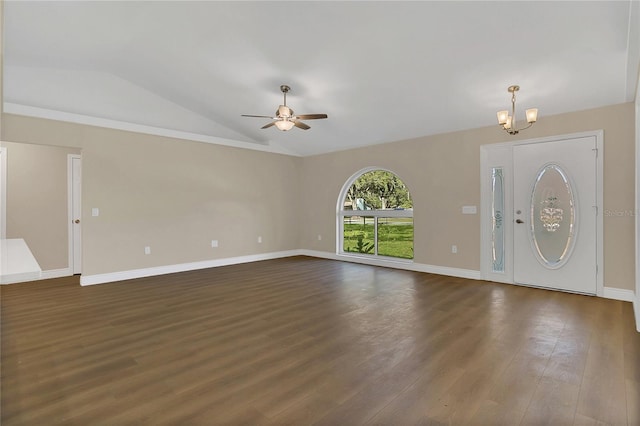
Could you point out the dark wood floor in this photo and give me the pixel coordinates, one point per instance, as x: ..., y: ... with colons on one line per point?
x: 311, y: 341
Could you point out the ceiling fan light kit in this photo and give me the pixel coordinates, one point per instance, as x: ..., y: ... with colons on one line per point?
x: 284, y: 125
x: 285, y: 119
x: 508, y: 122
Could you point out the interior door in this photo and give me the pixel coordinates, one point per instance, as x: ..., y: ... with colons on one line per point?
x: 555, y: 214
x: 3, y: 193
x: 76, y: 210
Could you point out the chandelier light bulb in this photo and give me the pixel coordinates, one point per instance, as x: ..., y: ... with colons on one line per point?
x: 503, y: 116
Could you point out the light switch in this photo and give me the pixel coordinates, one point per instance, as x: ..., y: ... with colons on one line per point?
x: 95, y: 212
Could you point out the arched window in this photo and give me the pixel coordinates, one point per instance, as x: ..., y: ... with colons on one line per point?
x: 375, y: 215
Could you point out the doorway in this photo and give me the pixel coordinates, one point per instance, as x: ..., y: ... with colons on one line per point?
x: 541, y: 221
x: 74, y: 177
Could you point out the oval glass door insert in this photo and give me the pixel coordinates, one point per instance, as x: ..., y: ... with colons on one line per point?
x: 553, y: 216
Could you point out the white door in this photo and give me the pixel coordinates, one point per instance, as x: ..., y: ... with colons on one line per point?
x: 555, y: 214
x: 76, y: 216
x: 3, y: 193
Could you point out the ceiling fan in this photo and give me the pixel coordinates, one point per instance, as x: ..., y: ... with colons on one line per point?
x: 285, y: 119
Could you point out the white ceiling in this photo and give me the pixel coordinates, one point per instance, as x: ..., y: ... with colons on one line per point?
x: 382, y: 71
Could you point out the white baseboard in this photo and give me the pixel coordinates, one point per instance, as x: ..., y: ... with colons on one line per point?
x: 618, y: 294
x: 56, y: 273
x: 182, y: 267
x: 609, y: 292
x: 407, y: 265
x: 35, y: 276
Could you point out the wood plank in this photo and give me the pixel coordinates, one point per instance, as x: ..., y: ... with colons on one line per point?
x: 312, y: 341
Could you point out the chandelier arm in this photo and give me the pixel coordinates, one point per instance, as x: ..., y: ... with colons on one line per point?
x: 515, y: 131
x: 530, y: 124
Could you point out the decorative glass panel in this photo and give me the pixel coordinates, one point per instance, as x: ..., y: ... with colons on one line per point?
x: 553, y: 216
x: 497, y: 215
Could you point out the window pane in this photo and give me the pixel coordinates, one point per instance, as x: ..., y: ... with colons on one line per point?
x: 497, y: 213
x: 358, y: 234
x: 377, y: 197
x: 377, y: 190
x: 395, y: 237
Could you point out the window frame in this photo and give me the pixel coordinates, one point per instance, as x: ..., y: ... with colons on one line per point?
x: 376, y: 214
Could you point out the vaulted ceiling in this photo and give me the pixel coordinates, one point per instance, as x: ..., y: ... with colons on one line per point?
x: 382, y: 71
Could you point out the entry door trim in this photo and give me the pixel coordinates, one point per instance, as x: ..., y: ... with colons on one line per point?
x: 501, y: 155
x: 3, y: 193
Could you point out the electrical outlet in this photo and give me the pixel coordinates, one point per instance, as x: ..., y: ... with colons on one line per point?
x: 147, y: 250
x: 259, y: 239
x: 454, y: 249
x: 469, y: 209
x: 319, y: 237
x: 214, y: 243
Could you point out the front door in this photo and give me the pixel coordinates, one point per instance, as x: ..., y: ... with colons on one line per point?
x: 555, y: 214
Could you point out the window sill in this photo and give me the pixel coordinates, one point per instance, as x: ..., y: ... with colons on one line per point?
x: 376, y: 259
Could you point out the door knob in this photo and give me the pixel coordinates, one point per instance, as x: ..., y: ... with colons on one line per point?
x: 519, y: 221
x: 76, y: 221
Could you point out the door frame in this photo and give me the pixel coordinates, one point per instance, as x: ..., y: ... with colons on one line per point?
x: 3, y: 193
x: 501, y: 155
x: 71, y: 195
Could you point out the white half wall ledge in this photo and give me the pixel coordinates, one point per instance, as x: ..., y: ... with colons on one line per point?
x: 44, y: 275
x: 636, y: 311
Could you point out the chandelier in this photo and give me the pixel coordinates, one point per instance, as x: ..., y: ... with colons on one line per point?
x: 508, y: 122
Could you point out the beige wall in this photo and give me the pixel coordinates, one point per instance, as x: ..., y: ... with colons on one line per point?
x: 1, y: 60
x: 172, y: 195
x: 442, y: 173
x: 37, y: 201
x: 176, y: 196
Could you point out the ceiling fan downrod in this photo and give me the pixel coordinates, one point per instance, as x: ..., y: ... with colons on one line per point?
x: 285, y: 89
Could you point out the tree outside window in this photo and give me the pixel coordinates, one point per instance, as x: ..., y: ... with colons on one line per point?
x: 376, y: 218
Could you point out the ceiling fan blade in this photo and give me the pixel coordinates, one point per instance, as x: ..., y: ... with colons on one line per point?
x: 311, y: 116
x: 257, y: 116
x: 266, y: 126
x: 301, y: 125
